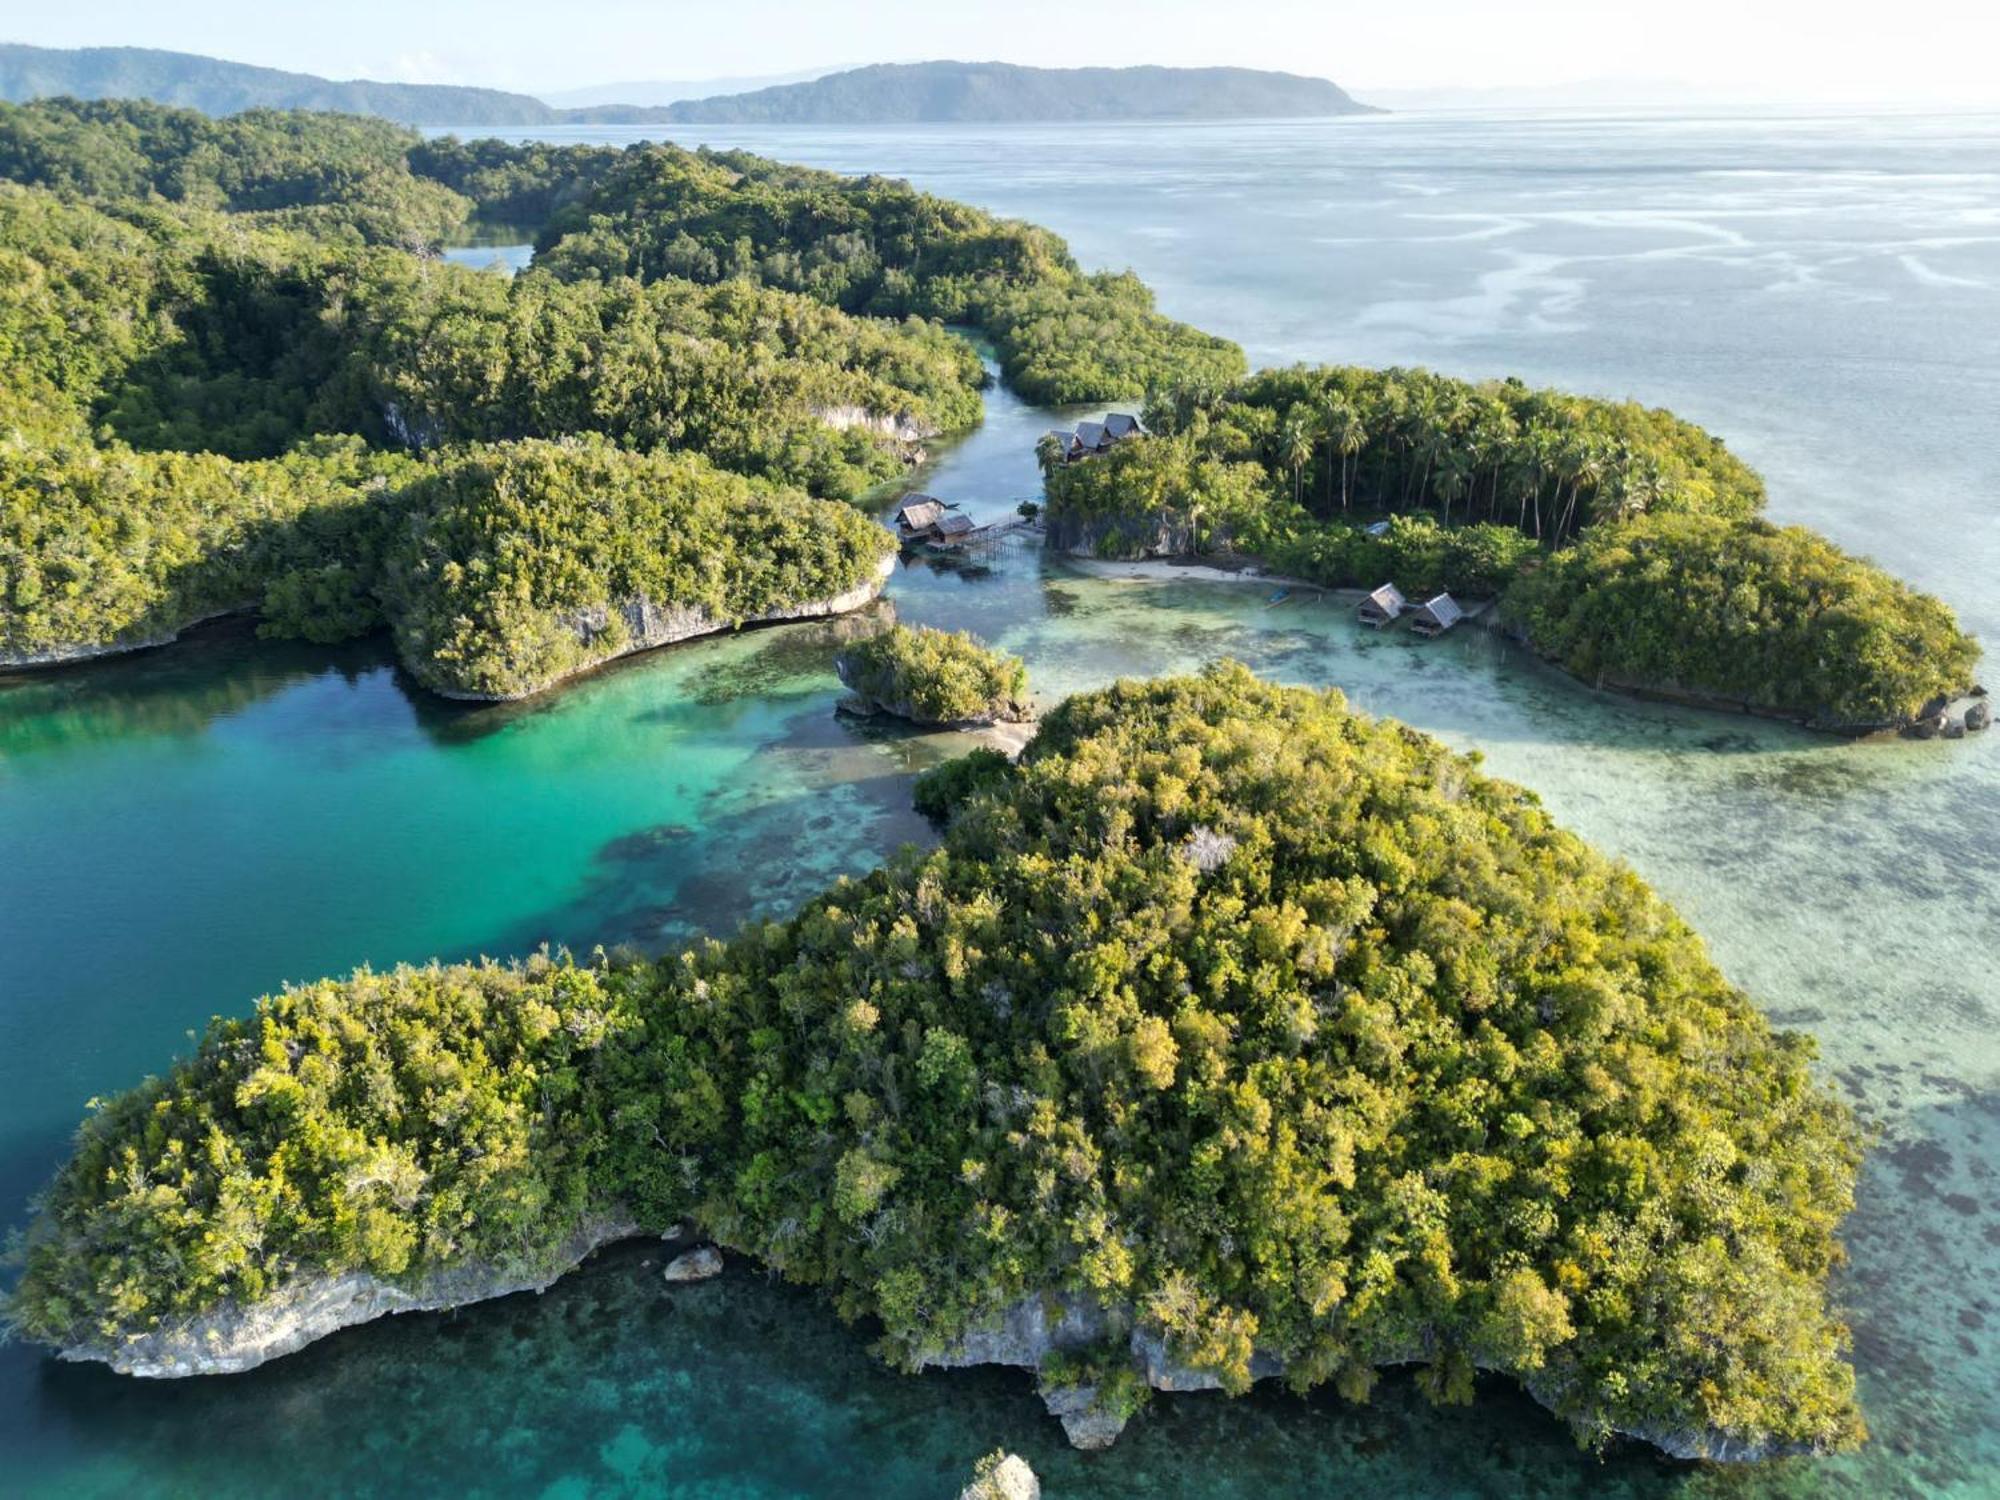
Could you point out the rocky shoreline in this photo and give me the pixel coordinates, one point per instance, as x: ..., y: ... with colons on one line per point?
x: 1948, y: 717
x: 648, y: 626
x: 233, y: 1337
x: 1026, y: 1332
x: 77, y: 654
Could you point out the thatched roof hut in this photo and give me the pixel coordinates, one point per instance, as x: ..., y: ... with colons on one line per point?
x: 918, y: 516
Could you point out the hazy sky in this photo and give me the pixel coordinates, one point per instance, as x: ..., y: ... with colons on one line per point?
x: 1783, y: 50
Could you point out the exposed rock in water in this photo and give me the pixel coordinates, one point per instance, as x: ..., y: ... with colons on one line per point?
x: 1954, y: 729
x: 696, y: 1265
x: 1026, y: 1332
x: 1084, y: 1423
x: 854, y: 706
x: 1002, y: 1476
x: 233, y: 1336
x: 1978, y: 715
x: 867, y: 704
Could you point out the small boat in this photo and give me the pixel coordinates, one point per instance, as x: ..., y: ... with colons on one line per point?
x: 1278, y: 598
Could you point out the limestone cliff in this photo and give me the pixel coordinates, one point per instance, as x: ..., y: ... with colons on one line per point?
x: 1025, y: 1333
x: 1155, y: 534
x: 606, y: 632
x: 233, y: 1336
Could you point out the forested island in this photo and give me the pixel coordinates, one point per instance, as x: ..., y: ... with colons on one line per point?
x: 1622, y: 542
x: 237, y: 330
x: 219, y: 87
x: 1228, y: 1035
x: 941, y: 92
x: 237, y: 378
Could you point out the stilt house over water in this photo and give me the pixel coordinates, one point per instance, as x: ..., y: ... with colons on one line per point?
x: 919, y: 516
x: 953, y: 526
x: 1436, y: 615
x: 1382, y: 606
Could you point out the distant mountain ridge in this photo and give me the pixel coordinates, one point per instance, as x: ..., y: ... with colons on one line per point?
x: 216, y: 87
x: 885, y: 93
x: 890, y: 93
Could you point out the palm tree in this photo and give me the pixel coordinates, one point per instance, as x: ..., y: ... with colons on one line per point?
x: 1331, y: 405
x: 1543, y: 444
x: 1391, y: 400
x: 1587, y: 465
x: 1295, y: 447
x: 1351, y: 436
x: 1453, y: 478
x: 1494, y: 434
x: 1427, y: 418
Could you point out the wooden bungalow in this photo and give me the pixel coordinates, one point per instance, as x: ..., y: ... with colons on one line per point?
x: 1436, y: 615
x: 952, y: 527
x: 1092, y: 438
x: 1382, y: 606
x: 919, y: 516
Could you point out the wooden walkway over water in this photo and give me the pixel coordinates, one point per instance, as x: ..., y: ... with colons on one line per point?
x: 988, y: 537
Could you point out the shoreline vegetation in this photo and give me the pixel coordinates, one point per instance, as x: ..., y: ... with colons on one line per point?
x: 1228, y: 1034
x: 1622, y: 544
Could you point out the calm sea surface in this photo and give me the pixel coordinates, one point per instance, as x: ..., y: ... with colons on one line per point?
x: 184, y: 830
